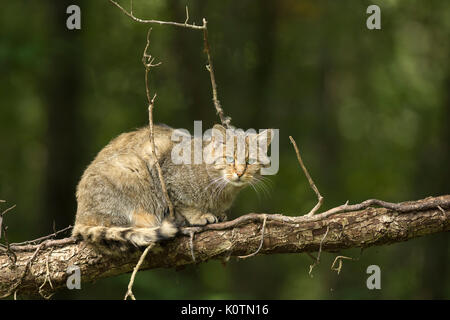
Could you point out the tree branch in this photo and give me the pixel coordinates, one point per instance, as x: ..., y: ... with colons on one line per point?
x: 365, y: 227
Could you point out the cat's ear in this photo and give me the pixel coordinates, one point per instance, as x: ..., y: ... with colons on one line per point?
x: 265, y: 137
x: 220, y: 128
x: 219, y: 133
x: 218, y: 136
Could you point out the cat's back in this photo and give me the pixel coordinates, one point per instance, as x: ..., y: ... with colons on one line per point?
x: 127, y: 158
x: 137, y: 143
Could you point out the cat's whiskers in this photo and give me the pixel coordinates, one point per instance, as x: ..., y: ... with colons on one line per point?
x: 252, y: 184
x: 213, y: 182
x: 261, y: 185
x: 222, y: 187
x: 266, y: 180
x: 217, y: 185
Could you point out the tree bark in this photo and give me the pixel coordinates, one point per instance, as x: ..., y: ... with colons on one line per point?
x: 363, y: 228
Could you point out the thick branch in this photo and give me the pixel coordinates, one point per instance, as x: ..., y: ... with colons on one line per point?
x: 368, y: 227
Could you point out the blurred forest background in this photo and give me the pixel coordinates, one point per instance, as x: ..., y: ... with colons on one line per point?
x: 369, y: 109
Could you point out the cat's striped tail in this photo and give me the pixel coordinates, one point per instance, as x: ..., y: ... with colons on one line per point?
x: 124, y: 238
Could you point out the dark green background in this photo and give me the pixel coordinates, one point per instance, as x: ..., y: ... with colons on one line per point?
x: 369, y: 110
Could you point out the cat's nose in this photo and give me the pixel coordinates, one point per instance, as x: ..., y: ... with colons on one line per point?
x: 239, y: 170
x: 239, y: 173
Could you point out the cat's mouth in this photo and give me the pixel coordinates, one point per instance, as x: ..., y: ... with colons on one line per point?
x: 237, y: 182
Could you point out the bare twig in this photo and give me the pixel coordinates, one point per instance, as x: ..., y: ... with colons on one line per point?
x: 1, y: 216
x: 132, y: 16
x: 12, y: 256
x: 147, y: 60
x: 191, y: 244
x: 260, y: 244
x: 133, y: 275
x: 443, y: 212
x: 7, y: 210
x: 223, y: 119
x: 310, y: 180
x: 309, y: 254
x: 311, y: 267
x: 158, y: 167
x: 338, y: 260
x: 45, y: 244
x: 38, y: 240
x: 187, y: 16
x: 47, y: 278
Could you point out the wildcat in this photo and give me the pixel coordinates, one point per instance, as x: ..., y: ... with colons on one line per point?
x: 120, y: 200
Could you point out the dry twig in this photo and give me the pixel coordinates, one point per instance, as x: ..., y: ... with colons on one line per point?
x: 443, y: 212
x: 177, y: 24
x: 1, y: 217
x: 260, y: 244
x: 223, y: 119
x: 133, y: 275
x: 39, y: 240
x: 338, y: 260
x: 147, y: 60
x: 12, y: 256
x: 310, y: 180
x: 47, y: 278
x: 311, y: 267
x: 191, y: 244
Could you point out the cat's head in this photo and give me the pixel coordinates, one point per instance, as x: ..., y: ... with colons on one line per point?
x: 236, y: 157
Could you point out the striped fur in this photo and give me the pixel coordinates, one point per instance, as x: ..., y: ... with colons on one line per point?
x: 124, y: 238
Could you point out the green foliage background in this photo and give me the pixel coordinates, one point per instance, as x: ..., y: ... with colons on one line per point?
x: 368, y: 109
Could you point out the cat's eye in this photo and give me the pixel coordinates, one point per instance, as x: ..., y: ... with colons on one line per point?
x: 230, y: 159
x: 251, y: 161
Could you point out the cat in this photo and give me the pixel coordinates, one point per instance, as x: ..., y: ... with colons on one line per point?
x: 120, y: 202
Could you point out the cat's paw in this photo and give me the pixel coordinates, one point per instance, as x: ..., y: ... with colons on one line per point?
x: 203, y: 219
x: 222, y: 217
